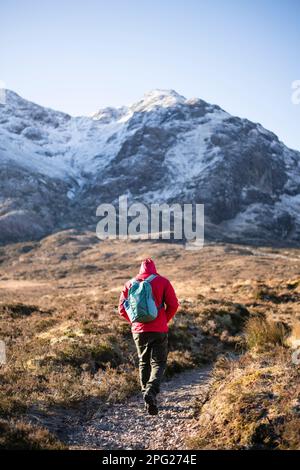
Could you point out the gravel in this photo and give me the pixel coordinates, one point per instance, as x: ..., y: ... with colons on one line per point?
x: 127, y: 425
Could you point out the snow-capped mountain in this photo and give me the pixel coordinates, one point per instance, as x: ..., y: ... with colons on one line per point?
x: 56, y: 169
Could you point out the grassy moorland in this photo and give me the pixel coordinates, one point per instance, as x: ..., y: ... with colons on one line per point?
x: 68, y: 350
x: 253, y: 404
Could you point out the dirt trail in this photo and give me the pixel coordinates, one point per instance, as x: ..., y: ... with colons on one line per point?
x: 127, y: 426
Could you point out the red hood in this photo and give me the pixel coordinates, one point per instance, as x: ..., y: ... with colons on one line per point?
x: 147, y: 267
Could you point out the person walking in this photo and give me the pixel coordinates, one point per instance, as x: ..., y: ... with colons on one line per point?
x: 148, y: 302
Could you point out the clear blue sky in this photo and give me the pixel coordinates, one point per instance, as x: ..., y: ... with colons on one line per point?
x: 78, y: 56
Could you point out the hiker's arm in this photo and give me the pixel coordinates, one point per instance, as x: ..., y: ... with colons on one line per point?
x: 123, y: 296
x: 171, y: 301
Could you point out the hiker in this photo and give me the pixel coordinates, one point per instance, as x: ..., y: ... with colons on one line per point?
x: 148, y: 302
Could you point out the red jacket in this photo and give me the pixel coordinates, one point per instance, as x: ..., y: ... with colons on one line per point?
x: 163, y: 293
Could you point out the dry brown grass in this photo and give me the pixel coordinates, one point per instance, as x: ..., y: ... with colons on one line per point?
x: 23, y: 435
x: 65, y: 342
x: 264, y: 334
x: 254, y: 404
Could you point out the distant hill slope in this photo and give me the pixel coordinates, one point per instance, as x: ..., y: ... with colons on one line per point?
x: 56, y: 169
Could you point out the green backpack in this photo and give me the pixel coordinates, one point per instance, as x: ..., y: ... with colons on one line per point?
x: 140, y: 305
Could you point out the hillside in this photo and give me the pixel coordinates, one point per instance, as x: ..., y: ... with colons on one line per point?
x: 71, y: 360
x: 56, y: 169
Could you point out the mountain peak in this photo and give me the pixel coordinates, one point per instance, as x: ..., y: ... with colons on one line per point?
x: 151, y: 99
x: 198, y: 153
x: 159, y: 93
x: 158, y: 97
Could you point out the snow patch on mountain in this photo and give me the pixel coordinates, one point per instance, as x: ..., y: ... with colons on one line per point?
x: 55, y: 169
x: 158, y: 98
x: 190, y: 155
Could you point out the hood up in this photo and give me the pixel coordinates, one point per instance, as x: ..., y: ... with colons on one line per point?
x: 147, y: 267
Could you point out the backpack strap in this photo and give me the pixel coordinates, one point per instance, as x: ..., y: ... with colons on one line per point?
x: 132, y: 281
x: 150, y: 278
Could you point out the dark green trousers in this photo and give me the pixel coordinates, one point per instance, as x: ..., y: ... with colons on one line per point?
x: 152, y: 349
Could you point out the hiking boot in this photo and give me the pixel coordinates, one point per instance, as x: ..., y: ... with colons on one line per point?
x: 150, y: 405
x: 152, y: 409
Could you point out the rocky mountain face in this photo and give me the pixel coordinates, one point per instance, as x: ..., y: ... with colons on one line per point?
x: 56, y: 169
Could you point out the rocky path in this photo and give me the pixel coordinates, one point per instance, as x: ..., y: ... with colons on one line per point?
x: 127, y: 426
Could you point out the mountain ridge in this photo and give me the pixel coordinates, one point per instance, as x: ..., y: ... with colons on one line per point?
x: 57, y: 168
